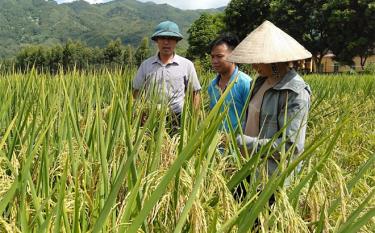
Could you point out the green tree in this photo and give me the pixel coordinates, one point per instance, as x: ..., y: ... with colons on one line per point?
x: 347, y: 27
x: 305, y: 21
x: 352, y: 31
x: 76, y: 55
x: 143, y: 51
x: 7, y: 66
x: 243, y: 16
x: 113, y: 52
x: 202, y: 32
x: 128, y: 56
x: 97, y: 58
x: 32, y: 56
x: 55, y: 58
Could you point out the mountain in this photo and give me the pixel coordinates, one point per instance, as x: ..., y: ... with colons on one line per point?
x: 24, y: 22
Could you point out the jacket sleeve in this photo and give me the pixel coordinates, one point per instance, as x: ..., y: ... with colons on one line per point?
x: 296, y: 121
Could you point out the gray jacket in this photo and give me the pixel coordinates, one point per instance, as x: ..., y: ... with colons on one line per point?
x: 291, y: 94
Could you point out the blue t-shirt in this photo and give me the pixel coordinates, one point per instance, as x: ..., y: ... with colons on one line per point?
x: 235, y: 99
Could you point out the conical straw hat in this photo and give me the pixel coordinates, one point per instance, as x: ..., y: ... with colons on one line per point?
x: 268, y: 44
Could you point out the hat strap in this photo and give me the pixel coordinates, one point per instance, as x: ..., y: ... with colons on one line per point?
x: 275, y: 70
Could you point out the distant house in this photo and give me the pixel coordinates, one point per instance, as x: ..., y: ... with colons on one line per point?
x: 329, y: 65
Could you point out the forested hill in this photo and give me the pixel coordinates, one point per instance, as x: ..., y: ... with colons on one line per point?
x: 24, y: 22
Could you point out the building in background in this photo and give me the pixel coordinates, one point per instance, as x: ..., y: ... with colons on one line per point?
x: 329, y: 65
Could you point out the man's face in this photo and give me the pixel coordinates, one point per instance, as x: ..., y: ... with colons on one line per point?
x: 219, y: 55
x: 166, y: 45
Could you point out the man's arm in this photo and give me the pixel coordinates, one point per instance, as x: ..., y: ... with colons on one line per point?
x: 193, y: 78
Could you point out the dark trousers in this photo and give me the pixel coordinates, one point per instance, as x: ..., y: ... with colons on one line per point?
x: 174, y: 123
x: 239, y: 195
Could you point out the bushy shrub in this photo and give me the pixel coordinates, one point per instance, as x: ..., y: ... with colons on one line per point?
x: 204, y: 64
x: 369, y: 68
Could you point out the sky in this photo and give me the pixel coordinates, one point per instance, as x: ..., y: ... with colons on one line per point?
x: 182, y: 4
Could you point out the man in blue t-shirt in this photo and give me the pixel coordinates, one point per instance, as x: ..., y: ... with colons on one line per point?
x: 228, y: 72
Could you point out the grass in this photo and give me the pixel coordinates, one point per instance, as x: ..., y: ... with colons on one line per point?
x: 76, y: 155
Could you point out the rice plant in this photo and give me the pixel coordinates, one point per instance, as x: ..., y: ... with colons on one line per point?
x: 79, y: 154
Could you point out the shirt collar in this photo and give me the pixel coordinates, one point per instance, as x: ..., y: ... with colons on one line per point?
x: 175, y: 59
x: 291, y: 81
x: 234, y: 77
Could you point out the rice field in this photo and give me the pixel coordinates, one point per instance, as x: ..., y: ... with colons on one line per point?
x: 79, y: 154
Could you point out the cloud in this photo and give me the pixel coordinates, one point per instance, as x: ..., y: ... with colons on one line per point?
x: 190, y: 4
x: 89, y: 1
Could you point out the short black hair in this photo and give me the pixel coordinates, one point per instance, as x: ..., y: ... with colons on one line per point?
x: 226, y: 38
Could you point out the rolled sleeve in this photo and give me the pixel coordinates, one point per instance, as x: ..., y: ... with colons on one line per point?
x: 194, y: 78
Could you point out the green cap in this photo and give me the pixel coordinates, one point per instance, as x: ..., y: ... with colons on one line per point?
x: 168, y: 29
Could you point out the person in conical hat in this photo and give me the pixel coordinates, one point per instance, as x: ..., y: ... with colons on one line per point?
x: 278, y: 92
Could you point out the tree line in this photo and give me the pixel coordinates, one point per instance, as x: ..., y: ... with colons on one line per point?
x: 77, y: 55
x: 344, y: 27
